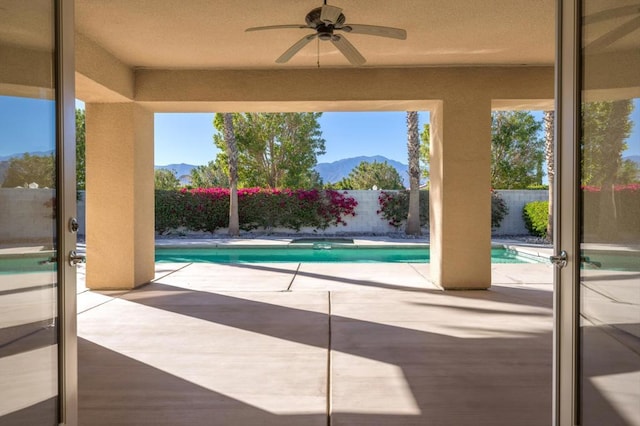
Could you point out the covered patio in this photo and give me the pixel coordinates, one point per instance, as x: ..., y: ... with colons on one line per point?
x: 316, y: 344
x: 460, y: 61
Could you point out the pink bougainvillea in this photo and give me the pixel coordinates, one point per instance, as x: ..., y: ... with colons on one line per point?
x: 207, y: 209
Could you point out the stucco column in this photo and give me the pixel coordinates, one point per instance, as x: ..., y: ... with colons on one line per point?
x: 119, y: 196
x: 460, y: 198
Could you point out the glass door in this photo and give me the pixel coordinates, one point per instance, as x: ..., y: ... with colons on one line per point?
x: 35, y: 305
x: 597, y: 297
x: 609, y: 291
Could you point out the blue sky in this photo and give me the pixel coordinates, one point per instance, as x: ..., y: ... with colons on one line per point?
x: 188, y: 138
x: 26, y: 125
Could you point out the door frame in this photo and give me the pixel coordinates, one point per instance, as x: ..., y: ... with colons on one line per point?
x: 567, y: 214
x: 66, y: 209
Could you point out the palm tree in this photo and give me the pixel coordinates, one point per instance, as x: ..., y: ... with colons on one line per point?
x: 413, y: 149
x: 549, y: 122
x: 232, y: 153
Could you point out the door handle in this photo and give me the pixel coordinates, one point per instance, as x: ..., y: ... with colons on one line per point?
x: 559, y: 260
x: 75, y: 259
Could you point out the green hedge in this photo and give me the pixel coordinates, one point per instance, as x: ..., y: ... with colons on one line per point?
x: 207, y: 209
x: 394, y: 207
x: 536, y: 217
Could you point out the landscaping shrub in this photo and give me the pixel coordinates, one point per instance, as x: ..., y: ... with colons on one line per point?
x: 207, y: 209
x: 536, y: 217
x: 169, y: 213
x: 499, y: 209
x: 394, y: 207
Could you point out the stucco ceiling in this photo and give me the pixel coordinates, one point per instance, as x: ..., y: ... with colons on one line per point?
x: 210, y: 33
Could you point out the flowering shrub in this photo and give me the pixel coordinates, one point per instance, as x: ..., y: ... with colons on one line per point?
x: 207, y: 209
x: 499, y: 209
x: 394, y: 207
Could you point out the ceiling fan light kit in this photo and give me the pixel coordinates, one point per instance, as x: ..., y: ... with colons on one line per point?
x: 326, y: 21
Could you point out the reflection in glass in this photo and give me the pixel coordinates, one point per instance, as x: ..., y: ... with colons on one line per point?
x: 610, y: 205
x: 28, y: 278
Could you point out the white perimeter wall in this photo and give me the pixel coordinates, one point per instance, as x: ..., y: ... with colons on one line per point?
x: 25, y: 217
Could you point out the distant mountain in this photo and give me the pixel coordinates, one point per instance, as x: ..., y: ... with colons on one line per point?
x: 20, y: 154
x: 182, y: 170
x: 336, y: 171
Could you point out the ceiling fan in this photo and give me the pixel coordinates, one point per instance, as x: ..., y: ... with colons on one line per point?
x: 328, y: 22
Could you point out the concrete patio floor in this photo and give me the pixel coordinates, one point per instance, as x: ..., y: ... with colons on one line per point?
x: 317, y: 344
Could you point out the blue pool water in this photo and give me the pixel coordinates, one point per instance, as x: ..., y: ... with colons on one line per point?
x: 318, y: 254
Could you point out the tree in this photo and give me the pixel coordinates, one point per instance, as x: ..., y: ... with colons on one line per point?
x: 81, y: 179
x: 166, y: 179
x: 232, y: 155
x: 516, y: 150
x: 369, y: 175
x: 275, y: 150
x: 549, y: 125
x: 606, y: 127
x: 425, y: 150
x: 29, y: 169
x: 413, y: 150
x: 629, y: 172
x: 210, y: 175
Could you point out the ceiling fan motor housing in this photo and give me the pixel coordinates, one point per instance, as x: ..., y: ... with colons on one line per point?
x: 314, y: 21
x: 324, y: 29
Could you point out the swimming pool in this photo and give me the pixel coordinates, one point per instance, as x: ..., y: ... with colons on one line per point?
x: 317, y: 254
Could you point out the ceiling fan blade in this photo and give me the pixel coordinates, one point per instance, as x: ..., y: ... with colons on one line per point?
x: 295, y: 48
x: 275, y: 27
x: 614, y: 35
x: 376, y: 30
x: 330, y: 14
x: 348, y: 50
x: 616, y: 12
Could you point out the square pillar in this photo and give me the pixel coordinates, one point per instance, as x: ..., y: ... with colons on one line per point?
x: 120, y: 196
x: 460, y: 196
